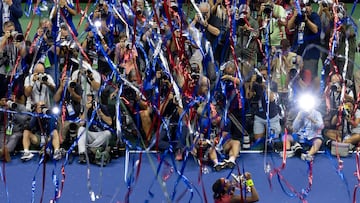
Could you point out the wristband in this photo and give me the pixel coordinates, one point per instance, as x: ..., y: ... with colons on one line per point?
x: 249, y: 183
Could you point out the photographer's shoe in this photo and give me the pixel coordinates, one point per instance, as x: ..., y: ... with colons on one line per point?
x: 229, y: 164
x: 57, y: 155
x: 27, y: 156
x: 307, y: 157
x: 219, y: 166
x: 289, y: 153
x: 82, y: 158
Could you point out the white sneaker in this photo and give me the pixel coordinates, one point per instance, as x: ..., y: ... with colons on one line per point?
x: 27, y: 156
x: 57, y: 155
x: 289, y: 153
x: 219, y: 166
x: 307, y: 157
x: 229, y: 164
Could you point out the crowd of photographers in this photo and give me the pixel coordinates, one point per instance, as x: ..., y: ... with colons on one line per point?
x: 211, y: 79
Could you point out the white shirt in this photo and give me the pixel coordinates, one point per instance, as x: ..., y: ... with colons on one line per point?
x: 40, y: 91
x: 81, y: 79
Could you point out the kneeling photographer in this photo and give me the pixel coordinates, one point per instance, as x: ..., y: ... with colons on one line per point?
x: 12, y: 124
x: 72, y: 107
x: 97, y: 136
x: 39, y: 131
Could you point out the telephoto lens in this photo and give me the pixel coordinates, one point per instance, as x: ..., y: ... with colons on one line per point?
x: 11, y: 104
x: 72, y: 84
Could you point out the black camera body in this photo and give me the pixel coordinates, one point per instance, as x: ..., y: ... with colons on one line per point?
x: 43, y: 77
x: 72, y: 84
x: 268, y: 9
x: 16, y: 36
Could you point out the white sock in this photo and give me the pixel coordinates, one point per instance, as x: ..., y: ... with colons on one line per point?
x: 232, y: 159
x: 215, y: 161
x: 26, y: 150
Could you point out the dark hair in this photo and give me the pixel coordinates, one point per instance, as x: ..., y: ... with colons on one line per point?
x: 218, y: 189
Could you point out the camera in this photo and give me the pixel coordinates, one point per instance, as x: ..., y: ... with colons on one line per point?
x: 268, y: 9
x: 242, y: 19
x: 45, y: 110
x: 259, y: 79
x: 195, y: 72
x: 335, y: 87
x: 73, y: 130
x: 11, y: 104
x: 43, y: 77
x: 17, y: 37
x: 72, y: 84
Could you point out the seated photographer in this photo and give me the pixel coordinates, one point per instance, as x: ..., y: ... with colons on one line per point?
x: 13, y: 124
x: 71, y: 102
x: 11, y: 43
x: 333, y: 96
x: 348, y: 130
x: 98, y: 133
x: 38, y: 86
x: 39, y: 131
x: 224, y: 189
x: 307, y: 128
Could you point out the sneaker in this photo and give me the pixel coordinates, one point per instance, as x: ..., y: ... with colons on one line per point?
x: 82, y: 158
x: 219, y: 166
x: 297, y: 149
x: 229, y: 164
x: 57, y: 155
x: 307, y: 157
x: 289, y: 153
x: 27, y: 156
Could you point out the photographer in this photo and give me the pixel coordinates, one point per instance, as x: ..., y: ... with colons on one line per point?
x: 272, y: 16
x: 13, y: 124
x: 210, y: 25
x: 38, y: 86
x: 307, y: 26
x: 260, y: 93
x: 39, y: 131
x: 102, y: 34
x: 11, y: 44
x: 283, y: 62
x: 138, y: 106
x: 88, y: 78
x: 125, y: 54
x: 307, y: 126
x: 224, y: 189
x: 72, y: 104
x: 247, y: 33
x: 98, y: 134
x: 333, y: 96
x: 67, y: 9
x: 11, y: 11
